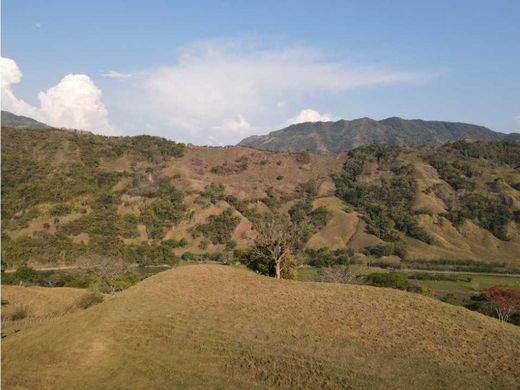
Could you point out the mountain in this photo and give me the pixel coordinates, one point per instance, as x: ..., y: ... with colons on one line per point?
x: 147, y: 200
x: 343, y: 135
x: 21, y: 122
x: 214, y: 326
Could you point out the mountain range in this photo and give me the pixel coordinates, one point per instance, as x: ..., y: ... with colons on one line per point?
x: 344, y: 135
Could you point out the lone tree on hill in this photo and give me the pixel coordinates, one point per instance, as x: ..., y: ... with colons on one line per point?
x: 504, y: 300
x: 276, y: 240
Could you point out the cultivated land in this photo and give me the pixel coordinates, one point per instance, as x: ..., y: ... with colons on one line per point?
x: 223, y: 327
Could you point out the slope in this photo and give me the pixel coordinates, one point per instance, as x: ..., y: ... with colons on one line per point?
x: 21, y: 122
x: 343, y: 135
x: 221, y: 327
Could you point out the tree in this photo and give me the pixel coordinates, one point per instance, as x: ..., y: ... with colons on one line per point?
x: 277, y: 239
x: 504, y: 300
x: 105, y: 269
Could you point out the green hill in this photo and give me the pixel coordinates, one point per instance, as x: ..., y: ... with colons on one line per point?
x: 220, y: 327
x: 147, y: 200
x: 343, y: 135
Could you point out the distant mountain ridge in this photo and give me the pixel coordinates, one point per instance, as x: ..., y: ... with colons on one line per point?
x: 344, y: 135
x: 21, y: 122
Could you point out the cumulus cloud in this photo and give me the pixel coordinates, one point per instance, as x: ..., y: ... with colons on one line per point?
x: 75, y: 102
x: 310, y: 115
x: 11, y: 75
x: 229, y: 90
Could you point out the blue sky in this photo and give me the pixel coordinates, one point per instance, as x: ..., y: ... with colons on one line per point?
x: 214, y: 72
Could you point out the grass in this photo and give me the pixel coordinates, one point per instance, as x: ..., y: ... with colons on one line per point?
x: 222, y: 327
x: 478, y: 283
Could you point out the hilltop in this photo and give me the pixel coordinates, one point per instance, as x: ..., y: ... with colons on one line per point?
x: 220, y: 327
x: 21, y: 122
x: 344, y: 135
x: 147, y: 200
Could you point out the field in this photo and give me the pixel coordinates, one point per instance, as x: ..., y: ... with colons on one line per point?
x: 223, y: 327
x: 477, y: 283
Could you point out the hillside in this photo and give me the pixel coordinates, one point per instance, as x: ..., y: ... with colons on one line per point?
x: 344, y: 135
x: 220, y: 327
x: 147, y: 200
x: 21, y: 122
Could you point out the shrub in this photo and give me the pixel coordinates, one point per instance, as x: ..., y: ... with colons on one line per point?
x: 176, y: 243
x: 187, y: 256
x: 27, y: 275
x: 391, y: 280
x: 378, y: 250
x: 19, y: 313
x: 303, y: 157
x: 219, y: 228
x: 91, y: 298
x: 325, y: 257
x: 214, y: 192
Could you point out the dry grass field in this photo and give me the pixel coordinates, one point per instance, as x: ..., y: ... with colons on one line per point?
x: 223, y: 327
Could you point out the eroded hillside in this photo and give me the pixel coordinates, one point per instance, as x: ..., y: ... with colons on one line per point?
x: 148, y: 200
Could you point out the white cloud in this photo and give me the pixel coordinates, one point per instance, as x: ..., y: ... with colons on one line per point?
x: 75, y: 102
x: 229, y: 90
x: 236, y: 125
x: 113, y: 74
x: 310, y: 115
x: 11, y: 75
x: 516, y: 122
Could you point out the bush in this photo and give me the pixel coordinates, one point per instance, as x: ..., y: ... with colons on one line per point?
x: 303, y: 157
x: 90, y: 299
x: 378, y: 250
x: 19, y: 313
x: 325, y: 257
x: 219, y: 228
x: 60, y: 210
x: 391, y: 280
x: 176, y: 243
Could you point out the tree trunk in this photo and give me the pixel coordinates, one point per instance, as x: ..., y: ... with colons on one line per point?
x: 277, y: 270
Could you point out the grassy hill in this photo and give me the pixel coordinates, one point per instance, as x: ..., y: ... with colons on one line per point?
x: 66, y: 195
x: 222, y: 327
x: 344, y: 135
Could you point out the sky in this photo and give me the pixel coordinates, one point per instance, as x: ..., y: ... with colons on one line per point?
x: 214, y: 72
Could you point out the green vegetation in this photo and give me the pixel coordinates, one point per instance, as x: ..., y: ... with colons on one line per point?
x: 386, y: 207
x: 219, y: 227
x: 166, y: 210
x: 325, y: 257
x: 214, y: 193
x: 106, y: 280
x: 344, y: 135
x: 391, y: 280
x: 492, y: 214
x: 30, y: 177
x: 90, y: 299
x: 459, y: 265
